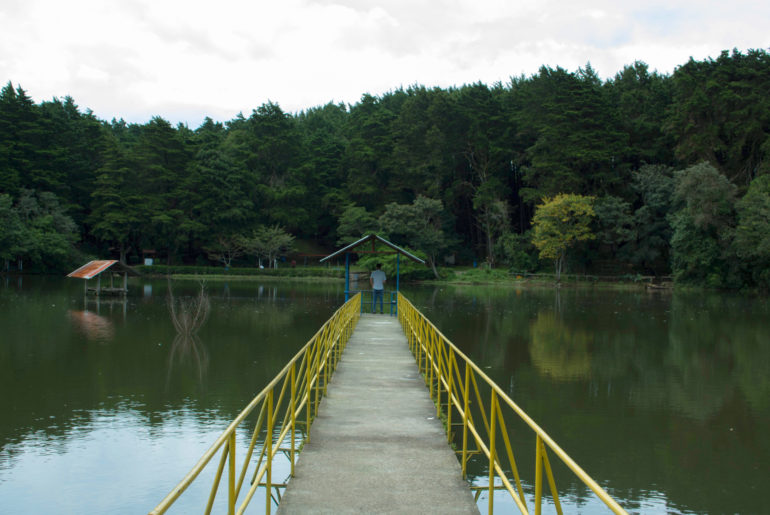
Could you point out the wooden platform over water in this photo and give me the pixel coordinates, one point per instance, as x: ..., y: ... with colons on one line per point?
x: 376, y: 445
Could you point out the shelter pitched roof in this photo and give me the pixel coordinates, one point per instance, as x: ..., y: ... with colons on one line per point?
x: 94, y: 268
x: 374, y: 238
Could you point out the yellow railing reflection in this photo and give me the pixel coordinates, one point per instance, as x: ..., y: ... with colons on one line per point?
x: 454, y: 382
x: 293, y: 395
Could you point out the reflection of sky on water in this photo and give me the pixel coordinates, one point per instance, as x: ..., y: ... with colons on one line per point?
x: 78, y: 473
x: 651, y: 502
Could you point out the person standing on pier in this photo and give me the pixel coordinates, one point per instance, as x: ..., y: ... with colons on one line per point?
x: 377, y: 281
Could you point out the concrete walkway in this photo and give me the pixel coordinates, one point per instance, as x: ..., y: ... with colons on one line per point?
x: 376, y: 445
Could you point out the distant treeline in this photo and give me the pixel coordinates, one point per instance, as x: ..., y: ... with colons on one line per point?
x: 677, y: 166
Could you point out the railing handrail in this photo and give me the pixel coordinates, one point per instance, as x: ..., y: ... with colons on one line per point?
x: 500, y: 393
x: 302, y: 357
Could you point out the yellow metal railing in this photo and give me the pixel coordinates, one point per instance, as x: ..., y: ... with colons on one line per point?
x: 289, y: 402
x: 454, y: 382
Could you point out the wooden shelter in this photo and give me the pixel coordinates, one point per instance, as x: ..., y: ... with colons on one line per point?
x: 97, y: 268
x: 372, y: 239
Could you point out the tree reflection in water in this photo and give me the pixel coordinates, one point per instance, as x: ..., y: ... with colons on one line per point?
x: 188, y: 314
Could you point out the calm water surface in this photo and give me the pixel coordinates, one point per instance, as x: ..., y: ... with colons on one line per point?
x: 664, y: 399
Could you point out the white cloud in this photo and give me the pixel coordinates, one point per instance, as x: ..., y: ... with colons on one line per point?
x: 184, y: 60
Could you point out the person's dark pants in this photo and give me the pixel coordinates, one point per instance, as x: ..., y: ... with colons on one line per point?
x: 377, y: 294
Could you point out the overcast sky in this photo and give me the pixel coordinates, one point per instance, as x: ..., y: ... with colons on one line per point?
x: 187, y: 59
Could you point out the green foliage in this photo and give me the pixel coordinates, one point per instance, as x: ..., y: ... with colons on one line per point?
x: 703, y: 228
x: 409, y: 270
x: 614, y: 222
x: 226, y: 248
x: 752, y: 235
x: 640, y: 100
x: 354, y: 223
x: 268, y: 243
x: 485, y: 154
x: 649, y: 248
x: 721, y: 113
x: 578, y: 142
x: 418, y: 225
x: 517, y: 251
x: 561, y: 223
x: 11, y: 229
x: 41, y: 231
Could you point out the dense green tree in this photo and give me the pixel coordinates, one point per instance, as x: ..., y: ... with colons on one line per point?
x: 226, y: 248
x: 640, y: 100
x: 21, y: 144
x: 517, y: 251
x: 561, y: 223
x: 268, y: 242
x: 354, y: 223
x: 48, y: 233
x: 649, y: 248
x: 614, y: 224
x: 752, y: 235
x: 368, y: 157
x: 721, y: 113
x: 324, y: 144
x: 161, y: 161
x: 117, y: 212
x: 703, y: 227
x: 423, y: 156
x: 418, y: 225
x: 73, y: 150
x: 578, y: 141
x: 214, y: 198
x: 268, y: 143
x: 11, y: 231
x: 487, y: 155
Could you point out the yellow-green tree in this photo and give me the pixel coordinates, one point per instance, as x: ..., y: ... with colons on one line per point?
x: 560, y: 223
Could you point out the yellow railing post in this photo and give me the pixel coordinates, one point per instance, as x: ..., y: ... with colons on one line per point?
x: 492, y: 457
x: 449, y: 396
x: 231, y: 475
x: 538, y: 474
x: 551, y: 481
x: 439, y: 374
x: 317, y: 373
x: 269, y: 444
x: 309, y: 393
x: 466, y: 400
x: 328, y: 342
x: 430, y: 360
x: 293, y: 408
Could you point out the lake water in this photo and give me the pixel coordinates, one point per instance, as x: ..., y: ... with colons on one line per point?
x: 663, y: 398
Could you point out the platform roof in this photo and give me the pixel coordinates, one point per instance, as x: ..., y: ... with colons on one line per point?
x: 373, y: 238
x: 94, y: 268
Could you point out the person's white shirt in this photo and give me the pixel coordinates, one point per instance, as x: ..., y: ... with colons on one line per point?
x: 378, y: 280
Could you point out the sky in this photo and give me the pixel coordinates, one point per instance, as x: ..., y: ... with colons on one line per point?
x: 184, y: 60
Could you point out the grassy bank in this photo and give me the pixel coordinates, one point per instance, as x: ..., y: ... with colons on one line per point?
x: 449, y: 276
x: 218, y: 272
x: 503, y: 277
